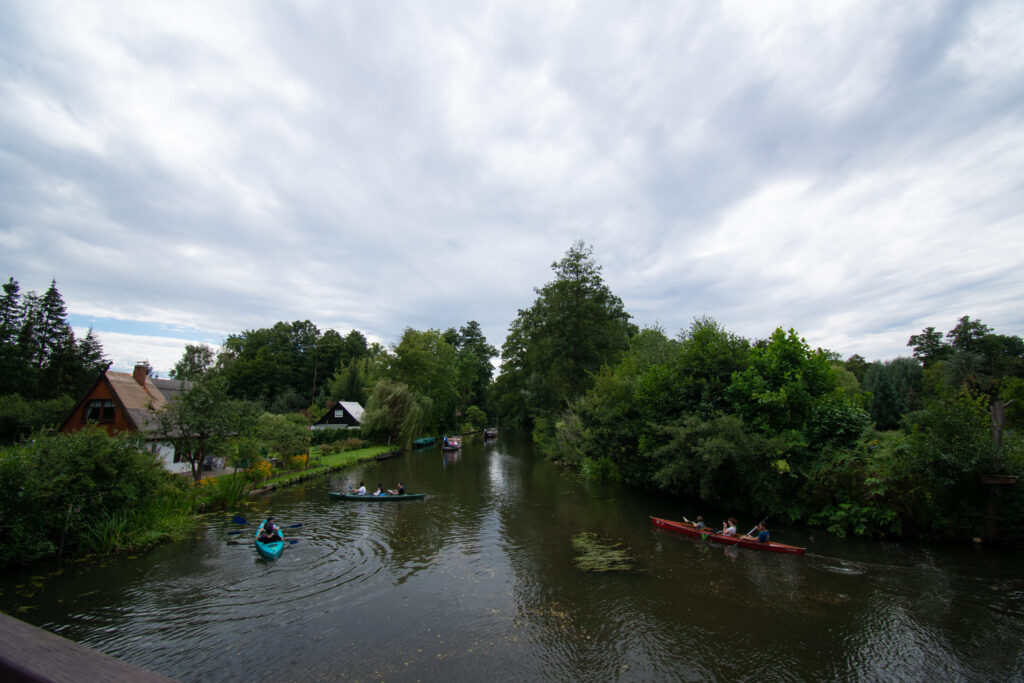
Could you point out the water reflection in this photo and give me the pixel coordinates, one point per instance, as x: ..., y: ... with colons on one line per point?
x: 482, y: 576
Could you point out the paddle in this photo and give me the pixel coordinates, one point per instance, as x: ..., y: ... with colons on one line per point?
x: 703, y: 529
x: 243, y: 520
x: 757, y: 525
x: 289, y: 541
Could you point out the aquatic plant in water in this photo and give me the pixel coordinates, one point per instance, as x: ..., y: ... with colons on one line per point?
x: 596, y: 555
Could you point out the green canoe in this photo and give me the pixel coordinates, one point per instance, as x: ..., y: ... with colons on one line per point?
x: 338, y: 495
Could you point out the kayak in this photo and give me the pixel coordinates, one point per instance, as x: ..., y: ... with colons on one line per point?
x: 271, y: 551
x: 691, y: 529
x: 338, y: 495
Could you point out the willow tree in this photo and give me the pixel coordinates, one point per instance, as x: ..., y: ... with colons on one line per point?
x: 393, y: 414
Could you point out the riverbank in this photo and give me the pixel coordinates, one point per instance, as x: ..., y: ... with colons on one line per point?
x: 319, y: 465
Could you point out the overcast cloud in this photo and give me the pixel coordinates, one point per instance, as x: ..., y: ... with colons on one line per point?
x: 190, y: 170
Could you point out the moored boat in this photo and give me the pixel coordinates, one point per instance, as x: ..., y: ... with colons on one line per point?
x: 270, y: 551
x: 491, y: 433
x: 391, y: 497
x: 691, y: 529
x: 423, y: 442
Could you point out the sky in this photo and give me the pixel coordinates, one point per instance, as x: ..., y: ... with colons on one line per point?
x: 190, y: 170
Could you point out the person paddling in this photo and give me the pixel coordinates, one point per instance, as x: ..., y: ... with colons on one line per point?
x: 361, y: 491
x: 269, y: 532
x: 762, y: 534
x: 400, y: 491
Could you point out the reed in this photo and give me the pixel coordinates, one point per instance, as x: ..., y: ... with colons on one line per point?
x: 133, y: 529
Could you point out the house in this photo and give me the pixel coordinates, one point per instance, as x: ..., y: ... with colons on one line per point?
x: 342, y: 415
x: 121, y: 401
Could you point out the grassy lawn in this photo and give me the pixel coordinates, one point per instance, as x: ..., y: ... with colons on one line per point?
x: 327, y: 462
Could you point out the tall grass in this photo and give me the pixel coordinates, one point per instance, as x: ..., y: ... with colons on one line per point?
x: 133, y: 529
x: 227, y: 489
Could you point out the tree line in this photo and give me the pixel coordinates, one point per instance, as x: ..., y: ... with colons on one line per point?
x: 766, y: 426
x: 43, y: 366
x: 772, y: 426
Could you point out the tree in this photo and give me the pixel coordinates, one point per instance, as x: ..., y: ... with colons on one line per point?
x: 697, y: 377
x: 965, y: 335
x: 195, y: 363
x: 282, y: 434
x: 575, y: 326
x: 887, y: 406
x: 857, y: 365
x: 393, y: 414
x: 10, y: 312
x: 474, y: 368
x: 200, y: 419
x: 426, y: 364
x: 929, y: 346
x: 781, y: 382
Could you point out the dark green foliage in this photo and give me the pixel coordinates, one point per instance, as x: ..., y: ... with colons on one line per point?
x: 57, y: 490
x: 473, y: 362
x: 20, y: 417
x: 42, y: 366
x: 697, y: 375
x: 887, y: 406
x: 929, y: 346
x: 857, y: 365
x: 778, y: 388
x: 553, y: 349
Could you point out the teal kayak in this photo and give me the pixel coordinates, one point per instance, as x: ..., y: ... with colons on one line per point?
x: 391, y: 497
x: 270, y: 551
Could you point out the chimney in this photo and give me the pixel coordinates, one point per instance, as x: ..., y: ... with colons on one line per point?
x: 140, y: 372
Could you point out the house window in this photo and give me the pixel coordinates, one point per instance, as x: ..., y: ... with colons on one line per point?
x: 339, y: 413
x: 99, y: 410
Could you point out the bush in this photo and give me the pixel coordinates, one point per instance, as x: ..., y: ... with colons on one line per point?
x: 260, y: 471
x: 60, y: 494
x: 20, y: 417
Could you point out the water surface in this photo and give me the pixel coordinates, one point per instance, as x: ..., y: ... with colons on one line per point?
x: 480, y: 581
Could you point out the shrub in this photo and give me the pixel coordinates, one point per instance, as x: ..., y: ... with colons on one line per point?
x: 59, y: 493
x: 259, y: 471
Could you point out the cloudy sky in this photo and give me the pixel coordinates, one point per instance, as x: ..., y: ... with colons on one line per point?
x: 189, y: 170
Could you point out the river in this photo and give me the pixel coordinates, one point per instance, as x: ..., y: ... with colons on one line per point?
x: 480, y: 581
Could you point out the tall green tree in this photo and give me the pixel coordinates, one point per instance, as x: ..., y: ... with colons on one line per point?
x: 929, y: 346
x: 697, y: 377
x: 887, y: 406
x: 474, y: 370
x: 197, y: 361
x: 575, y: 325
x: 426, y: 364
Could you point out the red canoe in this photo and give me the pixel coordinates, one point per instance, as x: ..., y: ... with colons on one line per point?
x: 691, y: 530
